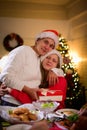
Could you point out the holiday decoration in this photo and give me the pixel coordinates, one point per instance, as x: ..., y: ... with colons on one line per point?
x: 12, y: 41
x: 75, y: 97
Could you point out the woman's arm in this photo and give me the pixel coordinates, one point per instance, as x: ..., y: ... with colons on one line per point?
x: 32, y: 92
x: 20, y: 96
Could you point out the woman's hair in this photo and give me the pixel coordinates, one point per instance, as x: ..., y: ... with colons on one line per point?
x: 44, y: 83
x: 81, y: 123
x: 58, y: 65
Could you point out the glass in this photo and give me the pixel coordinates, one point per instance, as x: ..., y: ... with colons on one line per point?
x: 46, y: 106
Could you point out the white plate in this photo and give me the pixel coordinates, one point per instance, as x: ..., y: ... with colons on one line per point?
x: 67, y: 111
x: 19, y: 127
x: 4, y: 113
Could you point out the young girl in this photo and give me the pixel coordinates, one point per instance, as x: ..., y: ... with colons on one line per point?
x: 51, y: 60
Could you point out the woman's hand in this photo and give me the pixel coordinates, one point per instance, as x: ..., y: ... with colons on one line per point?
x: 3, y: 89
x: 52, y: 78
x: 32, y: 92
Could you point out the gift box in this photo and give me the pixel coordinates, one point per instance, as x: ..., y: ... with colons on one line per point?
x: 51, y: 95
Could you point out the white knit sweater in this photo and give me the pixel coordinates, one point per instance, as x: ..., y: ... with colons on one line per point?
x: 22, y: 68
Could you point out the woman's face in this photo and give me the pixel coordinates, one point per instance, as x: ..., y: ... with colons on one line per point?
x: 45, y: 45
x: 50, y: 62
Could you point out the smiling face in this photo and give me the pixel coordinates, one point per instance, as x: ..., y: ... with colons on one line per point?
x: 44, y: 45
x: 50, y: 62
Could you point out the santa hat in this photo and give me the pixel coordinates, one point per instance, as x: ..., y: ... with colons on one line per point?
x: 53, y: 34
x: 53, y: 52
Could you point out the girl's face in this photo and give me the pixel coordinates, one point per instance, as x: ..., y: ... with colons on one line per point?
x: 44, y: 45
x: 50, y: 62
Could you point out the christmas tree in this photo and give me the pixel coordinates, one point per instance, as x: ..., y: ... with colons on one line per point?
x: 75, y: 96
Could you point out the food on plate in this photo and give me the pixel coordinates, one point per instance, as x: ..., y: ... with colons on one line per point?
x: 64, y: 123
x: 23, y: 114
x: 67, y: 122
x: 68, y: 113
x: 20, y: 111
x: 32, y: 116
x: 14, y: 115
x: 73, y: 117
x: 24, y: 117
x: 47, y: 105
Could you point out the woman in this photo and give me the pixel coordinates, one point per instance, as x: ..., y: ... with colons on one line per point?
x: 51, y: 60
x: 22, y: 71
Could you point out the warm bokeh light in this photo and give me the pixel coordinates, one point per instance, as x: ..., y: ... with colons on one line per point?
x: 75, y: 58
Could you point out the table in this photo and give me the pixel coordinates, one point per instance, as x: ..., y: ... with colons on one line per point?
x: 54, y: 127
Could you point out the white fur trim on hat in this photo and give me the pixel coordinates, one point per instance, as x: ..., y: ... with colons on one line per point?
x: 49, y: 34
x: 53, y: 52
